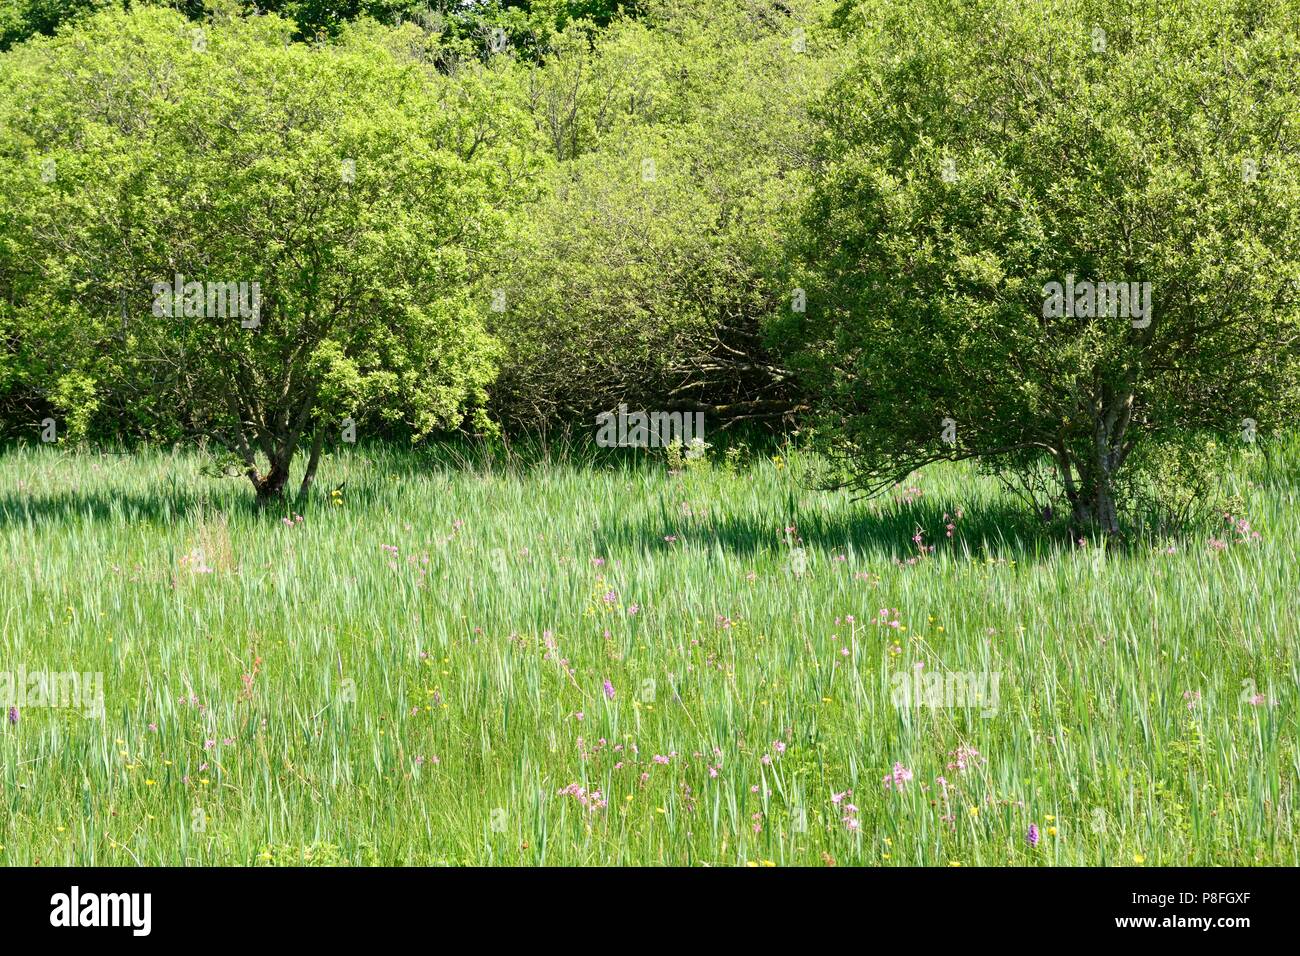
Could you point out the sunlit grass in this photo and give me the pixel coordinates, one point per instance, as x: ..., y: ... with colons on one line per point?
x: 319, y: 697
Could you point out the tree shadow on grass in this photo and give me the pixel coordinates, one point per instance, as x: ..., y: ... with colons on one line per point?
x: 164, y: 506
x: 997, y: 528
x: 39, y: 508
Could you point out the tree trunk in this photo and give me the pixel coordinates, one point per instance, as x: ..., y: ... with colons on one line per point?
x: 1080, y: 514
x: 1107, y: 514
x: 1093, y: 507
x: 309, y: 476
x: 271, y: 485
x: 1092, y: 498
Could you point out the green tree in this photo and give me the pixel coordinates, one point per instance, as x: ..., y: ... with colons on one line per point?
x: 21, y: 19
x: 681, y: 146
x: 352, y: 190
x: 975, y: 153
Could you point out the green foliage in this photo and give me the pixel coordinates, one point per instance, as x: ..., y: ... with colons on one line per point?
x: 20, y: 19
x: 527, y: 24
x: 359, y: 189
x: 974, y: 153
x: 680, y: 146
x: 1179, y: 483
x: 23, y: 19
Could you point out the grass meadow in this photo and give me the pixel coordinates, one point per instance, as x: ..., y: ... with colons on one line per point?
x: 456, y: 659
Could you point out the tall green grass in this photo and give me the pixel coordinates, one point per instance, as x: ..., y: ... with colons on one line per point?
x: 299, y: 694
